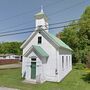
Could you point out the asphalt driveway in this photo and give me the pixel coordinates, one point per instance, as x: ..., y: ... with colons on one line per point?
x: 10, y: 66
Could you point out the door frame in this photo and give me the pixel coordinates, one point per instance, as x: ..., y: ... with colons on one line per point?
x: 33, y: 60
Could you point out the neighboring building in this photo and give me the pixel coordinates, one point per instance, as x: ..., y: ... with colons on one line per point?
x: 45, y: 57
x: 9, y: 56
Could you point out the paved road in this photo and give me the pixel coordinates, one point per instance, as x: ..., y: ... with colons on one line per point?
x: 5, y: 88
x: 10, y: 66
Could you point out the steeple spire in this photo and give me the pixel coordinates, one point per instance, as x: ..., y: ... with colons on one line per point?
x: 41, y: 20
x: 42, y: 8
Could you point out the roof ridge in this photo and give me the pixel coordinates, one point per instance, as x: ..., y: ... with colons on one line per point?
x: 58, y: 41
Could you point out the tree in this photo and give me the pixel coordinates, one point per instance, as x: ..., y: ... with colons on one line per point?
x: 10, y: 48
x: 84, y: 34
x: 77, y: 36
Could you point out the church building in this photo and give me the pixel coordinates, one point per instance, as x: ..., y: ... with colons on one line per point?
x: 45, y: 57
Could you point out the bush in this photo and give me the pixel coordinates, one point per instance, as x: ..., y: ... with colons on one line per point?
x: 86, y: 77
x: 80, y: 66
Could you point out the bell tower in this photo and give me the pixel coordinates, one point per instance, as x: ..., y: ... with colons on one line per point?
x: 41, y: 20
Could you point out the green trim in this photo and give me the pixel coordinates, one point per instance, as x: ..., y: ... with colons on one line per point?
x: 33, y: 70
x: 57, y: 41
x: 39, y: 13
x: 60, y: 42
x: 40, y: 51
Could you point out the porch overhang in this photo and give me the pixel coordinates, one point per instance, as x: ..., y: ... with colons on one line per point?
x: 38, y: 50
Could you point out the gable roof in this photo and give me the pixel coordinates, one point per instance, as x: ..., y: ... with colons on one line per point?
x: 28, y: 39
x: 38, y: 50
x: 56, y: 40
x: 41, y: 15
x: 59, y: 42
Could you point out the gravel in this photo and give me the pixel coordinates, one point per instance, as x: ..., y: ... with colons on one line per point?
x: 5, y: 88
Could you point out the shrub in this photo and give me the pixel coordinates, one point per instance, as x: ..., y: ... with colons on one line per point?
x: 86, y: 77
x: 80, y: 66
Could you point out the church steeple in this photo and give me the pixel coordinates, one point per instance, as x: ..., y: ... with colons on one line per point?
x: 41, y: 20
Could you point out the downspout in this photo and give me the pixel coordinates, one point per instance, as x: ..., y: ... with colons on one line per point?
x: 56, y: 70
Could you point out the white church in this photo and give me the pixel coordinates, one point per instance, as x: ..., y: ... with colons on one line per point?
x: 45, y: 57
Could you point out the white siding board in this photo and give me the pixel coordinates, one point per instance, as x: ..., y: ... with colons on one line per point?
x: 45, y: 71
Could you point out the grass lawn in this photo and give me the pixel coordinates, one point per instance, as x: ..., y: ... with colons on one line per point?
x: 74, y: 81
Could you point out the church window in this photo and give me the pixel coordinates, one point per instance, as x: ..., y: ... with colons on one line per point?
x: 39, y: 40
x: 63, y: 62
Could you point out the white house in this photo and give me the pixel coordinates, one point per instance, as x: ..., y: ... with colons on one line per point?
x: 45, y: 57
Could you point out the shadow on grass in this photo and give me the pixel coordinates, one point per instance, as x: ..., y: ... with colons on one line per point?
x: 86, y: 77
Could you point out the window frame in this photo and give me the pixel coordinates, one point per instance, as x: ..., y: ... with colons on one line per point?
x: 67, y: 61
x: 33, y: 59
x: 39, y: 39
x: 63, y: 62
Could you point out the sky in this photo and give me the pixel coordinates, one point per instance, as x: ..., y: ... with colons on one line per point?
x: 19, y: 14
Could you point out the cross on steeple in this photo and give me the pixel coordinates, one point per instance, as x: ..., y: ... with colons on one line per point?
x: 42, y: 8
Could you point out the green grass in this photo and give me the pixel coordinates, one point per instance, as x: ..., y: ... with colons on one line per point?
x: 74, y: 81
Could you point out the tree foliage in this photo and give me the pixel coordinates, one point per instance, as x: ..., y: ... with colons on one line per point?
x: 10, y: 48
x: 77, y: 36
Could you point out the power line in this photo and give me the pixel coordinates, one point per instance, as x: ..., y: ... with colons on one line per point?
x: 34, y: 27
x: 9, y: 34
x: 64, y: 22
x: 29, y: 12
x: 28, y: 23
x: 65, y: 9
x: 56, y: 2
x: 23, y: 13
x: 17, y: 30
x: 15, y: 26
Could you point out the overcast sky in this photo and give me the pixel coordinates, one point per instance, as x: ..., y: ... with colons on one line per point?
x: 18, y: 14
